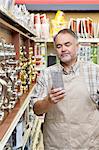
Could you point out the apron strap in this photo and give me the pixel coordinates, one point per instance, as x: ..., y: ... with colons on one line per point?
x: 91, y: 79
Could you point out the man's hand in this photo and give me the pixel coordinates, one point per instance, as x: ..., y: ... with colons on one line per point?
x: 56, y: 95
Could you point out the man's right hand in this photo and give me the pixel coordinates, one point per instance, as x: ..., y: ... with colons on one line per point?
x: 56, y: 95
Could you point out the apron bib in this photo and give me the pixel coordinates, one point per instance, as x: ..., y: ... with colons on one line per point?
x: 73, y: 123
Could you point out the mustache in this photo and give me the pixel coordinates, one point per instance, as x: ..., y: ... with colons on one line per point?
x: 65, y: 53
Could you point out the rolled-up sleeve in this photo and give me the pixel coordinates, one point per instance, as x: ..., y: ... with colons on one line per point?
x: 40, y: 88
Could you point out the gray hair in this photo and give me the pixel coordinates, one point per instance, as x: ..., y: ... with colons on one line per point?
x: 64, y: 31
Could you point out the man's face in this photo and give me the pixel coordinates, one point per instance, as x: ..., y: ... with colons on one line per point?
x: 66, y: 46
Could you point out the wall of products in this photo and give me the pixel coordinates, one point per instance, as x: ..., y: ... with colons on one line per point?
x: 89, y: 52
x: 18, y: 60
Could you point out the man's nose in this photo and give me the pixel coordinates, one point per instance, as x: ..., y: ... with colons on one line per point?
x: 64, y: 48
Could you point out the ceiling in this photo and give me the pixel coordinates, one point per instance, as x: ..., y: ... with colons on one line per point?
x: 66, y: 5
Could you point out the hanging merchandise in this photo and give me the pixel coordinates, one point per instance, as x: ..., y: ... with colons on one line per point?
x: 1, y: 3
x: 9, y: 78
x: 94, y: 53
x: 7, y: 4
x: 40, y: 57
x: 84, y: 27
x: 58, y: 23
x: 41, y: 25
x: 73, y: 24
x: 37, y: 24
x: 43, y: 50
x: 88, y: 52
x: 44, y: 26
x: 84, y: 52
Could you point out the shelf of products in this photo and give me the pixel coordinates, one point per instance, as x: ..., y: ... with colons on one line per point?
x: 81, y: 40
x: 88, y: 40
x: 17, y: 78
x: 8, y: 125
x: 20, y: 56
x: 12, y: 21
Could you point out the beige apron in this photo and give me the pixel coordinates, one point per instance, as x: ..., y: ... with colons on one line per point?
x: 72, y: 124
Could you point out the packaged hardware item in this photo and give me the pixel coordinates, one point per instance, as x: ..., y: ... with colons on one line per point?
x: 8, y: 4
x: 58, y: 23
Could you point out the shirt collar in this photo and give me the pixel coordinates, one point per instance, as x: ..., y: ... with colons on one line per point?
x: 73, y: 69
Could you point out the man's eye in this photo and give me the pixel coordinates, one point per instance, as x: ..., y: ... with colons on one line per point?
x: 58, y: 46
x: 67, y: 44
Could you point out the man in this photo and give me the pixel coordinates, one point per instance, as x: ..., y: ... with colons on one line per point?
x: 71, y: 111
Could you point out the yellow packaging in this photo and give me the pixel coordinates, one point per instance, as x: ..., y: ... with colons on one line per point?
x: 58, y: 23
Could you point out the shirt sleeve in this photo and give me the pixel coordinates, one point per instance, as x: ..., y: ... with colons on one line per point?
x: 98, y: 83
x: 96, y: 94
x: 94, y: 84
x: 40, y: 89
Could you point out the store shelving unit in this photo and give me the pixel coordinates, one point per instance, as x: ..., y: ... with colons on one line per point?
x: 10, y: 122
x: 8, y: 23
x: 88, y: 40
x: 81, y: 40
x: 8, y: 17
x: 13, y: 32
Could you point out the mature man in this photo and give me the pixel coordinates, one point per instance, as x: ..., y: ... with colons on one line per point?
x: 71, y: 108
